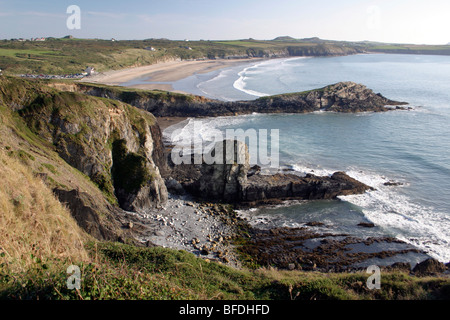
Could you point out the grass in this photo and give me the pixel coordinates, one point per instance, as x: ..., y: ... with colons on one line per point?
x: 70, y: 56
x: 33, y: 224
x: 39, y: 240
x: 117, y: 271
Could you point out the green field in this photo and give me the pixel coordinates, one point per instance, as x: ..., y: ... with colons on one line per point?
x: 70, y: 56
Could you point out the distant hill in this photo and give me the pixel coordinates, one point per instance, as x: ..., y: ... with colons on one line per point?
x: 313, y: 39
x: 284, y: 38
x: 290, y: 39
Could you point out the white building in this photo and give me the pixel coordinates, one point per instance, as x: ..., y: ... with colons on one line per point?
x: 89, y: 71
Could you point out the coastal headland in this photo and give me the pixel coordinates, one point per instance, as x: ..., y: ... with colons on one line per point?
x: 193, y: 219
x: 99, y: 150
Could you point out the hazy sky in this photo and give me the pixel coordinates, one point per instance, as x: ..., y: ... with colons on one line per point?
x: 403, y: 21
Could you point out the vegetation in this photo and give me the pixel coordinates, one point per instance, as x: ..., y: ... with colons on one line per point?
x: 39, y: 239
x: 118, y: 271
x: 72, y: 56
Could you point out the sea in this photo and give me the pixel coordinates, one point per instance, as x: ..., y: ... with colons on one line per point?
x: 403, y: 154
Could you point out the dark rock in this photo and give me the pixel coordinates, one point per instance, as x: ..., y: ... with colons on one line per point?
x: 174, y: 187
x: 400, y: 266
x: 429, y: 267
x: 254, y: 170
x: 366, y: 225
x: 281, y: 247
x: 223, y: 180
x: 314, y: 224
x: 95, y: 216
x: 263, y: 188
x: 393, y: 184
x: 232, y: 183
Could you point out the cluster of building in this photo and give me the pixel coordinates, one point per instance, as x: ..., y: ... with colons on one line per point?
x: 89, y: 71
x: 32, y: 39
x: 52, y: 76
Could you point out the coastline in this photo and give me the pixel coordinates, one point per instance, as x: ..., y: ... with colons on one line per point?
x: 165, y: 122
x: 159, y: 76
x: 167, y: 71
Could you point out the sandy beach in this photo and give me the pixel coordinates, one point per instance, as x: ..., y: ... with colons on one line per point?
x: 158, y: 76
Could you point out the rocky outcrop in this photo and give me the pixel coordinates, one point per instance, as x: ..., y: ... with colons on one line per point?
x: 225, y: 180
x: 340, y: 97
x: 276, y: 188
x: 234, y: 182
x: 429, y: 267
x: 303, y: 249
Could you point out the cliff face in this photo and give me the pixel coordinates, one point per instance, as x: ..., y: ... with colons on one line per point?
x: 109, y: 141
x: 340, y: 97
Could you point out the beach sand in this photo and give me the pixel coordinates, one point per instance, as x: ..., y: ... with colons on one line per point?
x: 165, y: 122
x: 162, y: 72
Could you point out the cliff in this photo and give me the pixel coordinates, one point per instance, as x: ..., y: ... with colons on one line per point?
x: 340, y: 97
x: 115, y: 147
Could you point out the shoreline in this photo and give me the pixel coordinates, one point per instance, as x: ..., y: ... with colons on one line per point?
x: 160, y: 76
x: 166, y: 122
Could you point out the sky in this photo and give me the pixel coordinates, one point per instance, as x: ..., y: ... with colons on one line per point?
x: 392, y: 21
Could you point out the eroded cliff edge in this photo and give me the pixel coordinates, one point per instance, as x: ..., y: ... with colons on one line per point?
x: 340, y: 97
x: 115, y: 148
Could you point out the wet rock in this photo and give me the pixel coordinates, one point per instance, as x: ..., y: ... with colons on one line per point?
x: 315, y: 224
x: 323, y: 252
x: 366, y: 225
x: 393, y: 184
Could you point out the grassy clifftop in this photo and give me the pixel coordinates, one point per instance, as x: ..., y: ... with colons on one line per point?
x: 71, y: 56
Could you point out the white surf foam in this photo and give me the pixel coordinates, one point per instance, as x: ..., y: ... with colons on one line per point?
x: 393, y: 211
x: 241, y: 84
x: 388, y: 208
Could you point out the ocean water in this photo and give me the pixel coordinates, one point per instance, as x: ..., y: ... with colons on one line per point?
x: 409, y: 147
